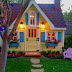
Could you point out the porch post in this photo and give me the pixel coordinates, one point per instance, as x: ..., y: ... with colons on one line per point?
x: 25, y: 39
x: 39, y: 39
x: 63, y: 38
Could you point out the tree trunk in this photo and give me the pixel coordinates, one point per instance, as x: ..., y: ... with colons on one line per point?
x: 4, y: 51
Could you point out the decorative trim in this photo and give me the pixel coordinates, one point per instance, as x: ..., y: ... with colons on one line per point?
x: 58, y: 28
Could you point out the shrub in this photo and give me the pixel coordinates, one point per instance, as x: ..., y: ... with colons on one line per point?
x: 13, y: 52
x: 57, y: 52
x: 68, y: 41
x: 43, y: 52
x: 21, y: 52
x: 9, y: 52
x: 49, y: 52
x: 53, y: 52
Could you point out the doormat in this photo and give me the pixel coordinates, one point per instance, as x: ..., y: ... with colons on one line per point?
x: 32, y: 54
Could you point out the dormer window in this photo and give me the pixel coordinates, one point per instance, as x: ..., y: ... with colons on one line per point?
x: 32, y: 18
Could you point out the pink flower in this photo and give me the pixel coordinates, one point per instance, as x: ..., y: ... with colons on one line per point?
x: 1, y: 15
x: 5, y: 10
x: 4, y: 21
x: 1, y: 6
x: 0, y: 25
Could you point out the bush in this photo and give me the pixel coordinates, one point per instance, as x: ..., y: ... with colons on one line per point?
x: 49, y: 52
x: 21, y: 52
x: 9, y: 52
x: 53, y: 52
x: 43, y: 52
x: 13, y: 52
x: 57, y: 52
x: 68, y: 41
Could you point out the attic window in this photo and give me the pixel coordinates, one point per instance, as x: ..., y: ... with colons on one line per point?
x: 32, y: 18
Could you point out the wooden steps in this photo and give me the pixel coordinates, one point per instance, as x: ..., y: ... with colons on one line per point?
x: 32, y: 54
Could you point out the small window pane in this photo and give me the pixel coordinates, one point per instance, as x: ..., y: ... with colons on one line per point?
x: 49, y: 34
x: 35, y: 33
x: 52, y: 38
x: 32, y: 32
x: 29, y: 32
x: 33, y: 21
x: 53, y: 34
x: 48, y: 38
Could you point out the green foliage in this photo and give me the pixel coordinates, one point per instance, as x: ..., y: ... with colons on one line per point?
x: 53, y: 52
x: 68, y: 41
x: 68, y: 17
x: 49, y: 52
x: 57, y: 52
x: 9, y: 52
x: 43, y: 52
x: 22, y: 53
x: 13, y: 52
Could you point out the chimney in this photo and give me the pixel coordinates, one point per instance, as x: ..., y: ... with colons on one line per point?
x: 57, y: 5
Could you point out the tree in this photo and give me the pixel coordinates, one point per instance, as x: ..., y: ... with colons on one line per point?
x: 6, y: 37
x: 68, y: 16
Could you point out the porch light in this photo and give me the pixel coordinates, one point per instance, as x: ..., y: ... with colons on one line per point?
x: 42, y: 25
x: 21, y: 24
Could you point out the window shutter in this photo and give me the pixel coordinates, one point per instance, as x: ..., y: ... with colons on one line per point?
x: 26, y: 18
x: 21, y: 36
x: 42, y: 36
x: 37, y: 18
x: 59, y: 36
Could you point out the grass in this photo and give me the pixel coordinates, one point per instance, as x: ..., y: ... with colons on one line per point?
x: 23, y: 64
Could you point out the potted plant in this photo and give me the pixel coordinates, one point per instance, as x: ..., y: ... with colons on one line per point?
x: 15, y: 42
x: 51, y: 43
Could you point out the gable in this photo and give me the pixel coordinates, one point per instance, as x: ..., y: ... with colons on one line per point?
x: 54, y: 18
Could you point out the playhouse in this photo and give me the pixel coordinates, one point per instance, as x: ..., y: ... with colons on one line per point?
x: 41, y: 27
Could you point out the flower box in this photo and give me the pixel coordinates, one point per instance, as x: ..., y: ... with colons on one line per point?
x: 13, y: 44
x: 51, y: 44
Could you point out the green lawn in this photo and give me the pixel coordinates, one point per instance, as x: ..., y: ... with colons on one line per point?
x: 23, y: 64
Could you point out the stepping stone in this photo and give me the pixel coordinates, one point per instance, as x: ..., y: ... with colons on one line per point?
x: 37, y: 70
x: 33, y: 60
x: 38, y: 65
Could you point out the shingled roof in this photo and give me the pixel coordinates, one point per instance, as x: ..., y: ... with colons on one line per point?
x: 56, y: 17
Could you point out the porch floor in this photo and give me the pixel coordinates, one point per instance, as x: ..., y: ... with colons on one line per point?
x: 32, y: 54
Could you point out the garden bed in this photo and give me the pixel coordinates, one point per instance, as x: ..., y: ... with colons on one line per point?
x: 14, y: 54
x: 52, y: 55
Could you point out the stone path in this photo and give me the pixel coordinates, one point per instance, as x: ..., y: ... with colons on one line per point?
x: 36, y: 61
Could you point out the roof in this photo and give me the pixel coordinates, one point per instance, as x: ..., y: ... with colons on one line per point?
x: 56, y: 17
x: 15, y: 11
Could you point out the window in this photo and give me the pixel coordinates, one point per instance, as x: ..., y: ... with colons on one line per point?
x: 32, y: 18
x: 14, y: 37
x: 51, y: 36
x: 31, y: 32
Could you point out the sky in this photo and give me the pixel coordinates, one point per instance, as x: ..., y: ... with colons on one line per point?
x: 67, y: 3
